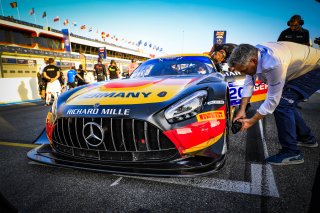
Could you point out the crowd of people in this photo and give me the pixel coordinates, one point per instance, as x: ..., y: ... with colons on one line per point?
x: 52, y: 81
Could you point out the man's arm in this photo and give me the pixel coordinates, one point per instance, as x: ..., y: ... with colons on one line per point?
x: 79, y: 76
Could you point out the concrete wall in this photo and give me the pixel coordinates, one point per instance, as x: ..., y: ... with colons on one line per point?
x: 18, y: 89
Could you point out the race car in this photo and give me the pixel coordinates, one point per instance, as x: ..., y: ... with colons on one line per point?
x: 171, y: 117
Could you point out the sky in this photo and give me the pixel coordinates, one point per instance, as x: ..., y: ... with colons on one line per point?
x: 176, y: 26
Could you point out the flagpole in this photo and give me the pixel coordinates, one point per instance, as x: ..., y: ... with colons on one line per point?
x: 18, y: 13
x: 47, y: 21
x: 1, y: 8
x: 35, y: 20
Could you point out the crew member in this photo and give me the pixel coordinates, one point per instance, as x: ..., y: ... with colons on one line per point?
x: 52, y: 73
x: 295, y: 33
x: 100, y: 70
x: 113, y: 70
x: 292, y: 72
x: 41, y: 80
x: 132, y: 66
x: 72, y: 73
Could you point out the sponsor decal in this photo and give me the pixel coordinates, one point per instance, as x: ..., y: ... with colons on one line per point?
x: 215, y: 102
x: 128, y: 92
x: 212, y: 115
x: 119, y: 95
x: 259, y: 93
x: 98, y: 111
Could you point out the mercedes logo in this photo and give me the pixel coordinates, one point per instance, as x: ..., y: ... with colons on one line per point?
x: 93, y: 133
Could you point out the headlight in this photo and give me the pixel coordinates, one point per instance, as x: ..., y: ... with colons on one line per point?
x: 54, y: 109
x: 187, y: 107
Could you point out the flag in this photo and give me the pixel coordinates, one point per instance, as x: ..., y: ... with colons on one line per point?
x: 66, y: 22
x: 14, y: 4
x: 74, y: 24
x: 44, y: 15
x: 83, y: 27
x: 56, y: 19
x: 31, y: 12
x: 90, y: 29
x: 103, y: 35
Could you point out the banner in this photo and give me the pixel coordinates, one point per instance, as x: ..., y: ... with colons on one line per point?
x: 102, y: 52
x: 219, y: 37
x: 67, y: 44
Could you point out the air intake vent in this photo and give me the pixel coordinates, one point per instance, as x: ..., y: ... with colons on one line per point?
x: 112, y: 140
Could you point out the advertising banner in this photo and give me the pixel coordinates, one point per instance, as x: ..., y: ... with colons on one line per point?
x: 66, y: 39
x: 102, y: 52
x: 219, y: 37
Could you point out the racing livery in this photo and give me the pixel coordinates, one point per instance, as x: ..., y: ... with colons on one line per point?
x: 171, y: 117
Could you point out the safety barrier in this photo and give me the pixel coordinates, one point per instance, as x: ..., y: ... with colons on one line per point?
x: 15, y: 90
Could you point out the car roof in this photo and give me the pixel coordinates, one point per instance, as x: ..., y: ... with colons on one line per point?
x: 184, y: 55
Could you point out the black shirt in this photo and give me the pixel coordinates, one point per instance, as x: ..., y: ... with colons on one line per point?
x: 51, y: 71
x: 100, y: 69
x: 113, y: 71
x: 301, y: 36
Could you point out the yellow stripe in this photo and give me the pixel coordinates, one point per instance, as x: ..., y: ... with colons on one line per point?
x: 256, y: 98
x: 203, y: 145
x: 18, y: 144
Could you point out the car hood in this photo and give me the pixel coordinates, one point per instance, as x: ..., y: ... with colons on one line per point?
x: 131, y: 91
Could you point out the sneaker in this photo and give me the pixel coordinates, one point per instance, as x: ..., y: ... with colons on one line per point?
x: 285, y: 158
x: 310, y: 143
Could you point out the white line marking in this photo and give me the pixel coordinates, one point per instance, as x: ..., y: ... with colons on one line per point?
x: 116, y: 182
x: 263, y: 140
x: 269, y: 177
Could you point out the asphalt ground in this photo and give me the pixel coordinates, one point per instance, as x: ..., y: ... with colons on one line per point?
x: 244, y: 184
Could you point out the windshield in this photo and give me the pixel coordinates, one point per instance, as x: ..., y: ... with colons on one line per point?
x: 182, y: 65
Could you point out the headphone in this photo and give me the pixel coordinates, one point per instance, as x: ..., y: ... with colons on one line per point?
x: 296, y: 18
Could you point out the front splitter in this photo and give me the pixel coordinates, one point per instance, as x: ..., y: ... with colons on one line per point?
x: 186, y: 167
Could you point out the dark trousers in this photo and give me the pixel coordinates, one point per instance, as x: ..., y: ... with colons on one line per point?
x: 290, y: 124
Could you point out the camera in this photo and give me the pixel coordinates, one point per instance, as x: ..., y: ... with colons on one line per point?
x: 317, y: 40
x: 236, y: 126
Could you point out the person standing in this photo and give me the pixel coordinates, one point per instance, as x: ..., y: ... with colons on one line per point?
x: 292, y: 72
x: 41, y: 80
x: 82, y: 73
x: 100, y: 70
x: 295, y: 33
x: 72, y: 73
x: 52, y: 73
x: 132, y: 66
x: 113, y: 70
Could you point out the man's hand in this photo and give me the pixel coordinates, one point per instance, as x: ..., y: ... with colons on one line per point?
x: 246, y: 123
x: 240, y: 115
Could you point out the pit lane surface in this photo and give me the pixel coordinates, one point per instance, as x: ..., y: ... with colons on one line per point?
x: 245, y: 184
